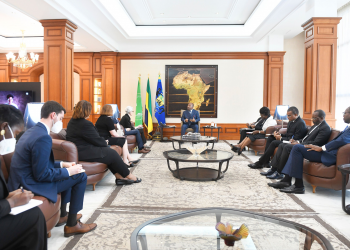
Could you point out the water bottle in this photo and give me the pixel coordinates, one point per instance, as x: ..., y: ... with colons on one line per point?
x: 136, y: 149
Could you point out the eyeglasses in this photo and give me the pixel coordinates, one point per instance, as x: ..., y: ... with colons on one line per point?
x: 345, y: 113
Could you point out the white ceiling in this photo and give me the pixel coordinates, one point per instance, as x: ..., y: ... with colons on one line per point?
x: 184, y: 12
x: 159, y: 25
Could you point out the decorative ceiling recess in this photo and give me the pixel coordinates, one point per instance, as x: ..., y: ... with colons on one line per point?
x: 185, y: 12
x: 187, y: 18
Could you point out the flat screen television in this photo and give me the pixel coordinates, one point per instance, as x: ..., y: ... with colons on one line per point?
x: 18, y: 99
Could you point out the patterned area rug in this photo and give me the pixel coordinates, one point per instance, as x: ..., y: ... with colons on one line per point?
x: 161, y: 194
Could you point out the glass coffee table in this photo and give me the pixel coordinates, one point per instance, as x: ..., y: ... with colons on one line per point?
x: 205, y: 139
x: 195, y: 229
x: 198, y: 173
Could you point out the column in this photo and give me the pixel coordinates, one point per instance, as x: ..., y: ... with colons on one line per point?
x: 320, y: 67
x: 273, y: 91
x: 58, y: 62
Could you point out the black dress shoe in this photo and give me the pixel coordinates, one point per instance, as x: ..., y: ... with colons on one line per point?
x: 293, y: 190
x: 256, y: 165
x: 234, y: 148
x: 275, y: 175
x: 239, y: 152
x: 279, y: 184
x: 269, y: 172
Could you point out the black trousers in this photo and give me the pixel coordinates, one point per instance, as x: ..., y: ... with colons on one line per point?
x: 26, y: 230
x: 271, y: 144
x: 113, y: 161
x: 243, y: 133
x: 142, y: 135
x: 281, y: 157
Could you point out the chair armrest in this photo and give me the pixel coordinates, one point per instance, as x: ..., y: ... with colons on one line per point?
x: 64, y: 151
x: 282, y: 131
x: 270, y: 130
x: 343, y: 155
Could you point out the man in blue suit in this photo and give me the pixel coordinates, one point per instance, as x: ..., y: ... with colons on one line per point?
x: 326, y: 154
x: 34, y: 168
x: 190, y: 119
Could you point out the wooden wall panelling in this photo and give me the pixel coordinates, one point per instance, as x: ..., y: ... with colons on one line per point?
x: 320, y: 67
x: 109, y: 77
x: 229, y: 131
x: 4, y: 69
x: 59, y: 61
x: 275, y: 80
x: 83, y: 65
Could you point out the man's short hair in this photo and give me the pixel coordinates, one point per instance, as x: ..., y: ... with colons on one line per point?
x: 265, y: 111
x: 128, y: 109
x: 49, y: 107
x: 82, y: 110
x: 8, y: 96
x: 294, y: 110
x: 321, y: 113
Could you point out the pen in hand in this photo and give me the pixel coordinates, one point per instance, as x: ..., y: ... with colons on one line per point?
x: 22, y: 189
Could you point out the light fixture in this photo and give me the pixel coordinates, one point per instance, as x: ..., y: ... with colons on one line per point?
x: 22, y: 60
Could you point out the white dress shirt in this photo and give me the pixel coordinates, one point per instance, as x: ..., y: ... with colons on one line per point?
x: 269, y: 122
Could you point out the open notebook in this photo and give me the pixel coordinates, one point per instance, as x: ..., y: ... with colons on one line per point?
x: 20, y: 209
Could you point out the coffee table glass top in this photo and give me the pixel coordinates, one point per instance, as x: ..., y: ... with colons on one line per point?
x: 207, y: 155
x: 202, y: 138
x: 195, y: 229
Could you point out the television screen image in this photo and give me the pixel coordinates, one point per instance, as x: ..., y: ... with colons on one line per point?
x: 18, y: 99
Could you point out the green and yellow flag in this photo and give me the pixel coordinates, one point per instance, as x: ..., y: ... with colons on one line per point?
x: 148, y: 110
x: 138, y: 112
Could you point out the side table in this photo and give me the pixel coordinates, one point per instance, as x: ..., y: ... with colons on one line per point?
x: 345, y: 171
x: 211, y: 128
x: 163, y: 127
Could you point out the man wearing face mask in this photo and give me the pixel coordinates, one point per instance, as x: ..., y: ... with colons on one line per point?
x: 33, y: 167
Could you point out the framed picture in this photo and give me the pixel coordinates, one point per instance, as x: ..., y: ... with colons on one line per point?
x: 191, y: 83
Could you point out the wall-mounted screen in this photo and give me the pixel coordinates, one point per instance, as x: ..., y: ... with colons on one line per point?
x: 18, y: 99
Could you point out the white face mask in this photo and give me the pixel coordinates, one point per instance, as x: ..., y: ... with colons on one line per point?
x: 7, y: 146
x: 57, y: 127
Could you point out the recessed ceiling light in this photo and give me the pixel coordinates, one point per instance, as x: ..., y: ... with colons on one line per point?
x: 162, y: 13
x: 217, y: 13
x: 189, y: 16
x: 240, y: 20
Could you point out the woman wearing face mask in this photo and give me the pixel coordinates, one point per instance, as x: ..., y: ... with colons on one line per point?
x: 31, y: 234
x: 105, y: 128
x: 93, y: 148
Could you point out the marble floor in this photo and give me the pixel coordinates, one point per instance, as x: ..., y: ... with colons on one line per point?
x: 327, y: 203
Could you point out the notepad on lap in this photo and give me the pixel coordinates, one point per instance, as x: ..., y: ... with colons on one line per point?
x: 286, y: 141
x: 20, y: 209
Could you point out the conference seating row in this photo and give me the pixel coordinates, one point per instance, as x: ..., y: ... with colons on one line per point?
x: 315, y: 173
x: 66, y: 151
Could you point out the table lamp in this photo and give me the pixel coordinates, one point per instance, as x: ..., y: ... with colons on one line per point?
x: 116, y: 113
x: 281, y: 113
x: 32, y: 114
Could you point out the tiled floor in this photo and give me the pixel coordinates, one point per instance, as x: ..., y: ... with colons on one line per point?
x: 327, y: 203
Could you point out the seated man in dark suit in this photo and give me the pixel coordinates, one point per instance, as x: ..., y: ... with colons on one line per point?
x: 190, y: 119
x: 327, y: 155
x: 34, y: 168
x: 318, y: 135
x: 296, y: 130
x: 26, y: 230
x: 130, y: 130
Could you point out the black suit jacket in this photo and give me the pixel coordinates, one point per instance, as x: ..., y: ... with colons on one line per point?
x: 85, y: 136
x: 126, y: 122
x: 319, y: 136
x: 296, y: 129
x: 5, y: 208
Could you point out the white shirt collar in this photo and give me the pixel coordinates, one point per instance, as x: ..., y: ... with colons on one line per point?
x: 47, y: 128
